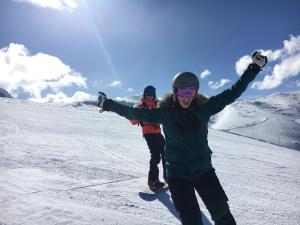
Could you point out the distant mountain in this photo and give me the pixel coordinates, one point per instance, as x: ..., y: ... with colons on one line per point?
x: 274, y: 119
x: 4, y: 93
x: 77, y: 104
x: 129, y: 100
x: 281, y: 101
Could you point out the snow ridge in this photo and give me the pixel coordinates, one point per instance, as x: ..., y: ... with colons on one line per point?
x: 4, y: 93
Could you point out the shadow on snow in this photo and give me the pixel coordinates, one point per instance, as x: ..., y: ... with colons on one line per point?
x: 164, y: 197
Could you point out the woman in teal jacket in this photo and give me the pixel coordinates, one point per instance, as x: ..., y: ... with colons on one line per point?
x: 184, y: 115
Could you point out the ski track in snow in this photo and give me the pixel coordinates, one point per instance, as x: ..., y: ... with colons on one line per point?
x: 7, y: 129
x: 65, y: 165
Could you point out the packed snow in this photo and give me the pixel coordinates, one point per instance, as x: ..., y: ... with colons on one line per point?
x: 72, y: 165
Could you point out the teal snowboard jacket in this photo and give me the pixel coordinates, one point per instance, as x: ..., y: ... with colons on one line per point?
x: 187, y: 152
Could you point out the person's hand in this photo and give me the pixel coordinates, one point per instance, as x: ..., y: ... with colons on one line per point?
x: 259, y: 59
x: 101, y: 99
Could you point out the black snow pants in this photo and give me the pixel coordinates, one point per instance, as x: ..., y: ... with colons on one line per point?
x: 211, y: 193
x: 156, y: 144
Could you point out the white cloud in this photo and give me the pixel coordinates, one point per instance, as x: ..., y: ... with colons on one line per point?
x: 53, y: 4
x: 293, y: 84
x: 273, y: 55
x: 216, y: 85
x: 130, y: 89
x: 242, y: 63
x: 68, y: 80
x: 33, y: 74
x: 289, y: 67
x: 292, y: 46
x: 115, y: 83
x: 283, y: 64
x: 61, y: 98
x: 205, y: 74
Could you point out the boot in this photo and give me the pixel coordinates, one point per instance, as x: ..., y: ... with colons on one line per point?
x: 155, y: 185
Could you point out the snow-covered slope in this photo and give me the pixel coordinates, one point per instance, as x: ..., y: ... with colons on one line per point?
x: 274, y: 119
x: 4, y: 93
x: 72, y: 165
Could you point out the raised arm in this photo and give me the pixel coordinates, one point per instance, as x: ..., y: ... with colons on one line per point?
x: 218, y: 102
x: 154, y: 115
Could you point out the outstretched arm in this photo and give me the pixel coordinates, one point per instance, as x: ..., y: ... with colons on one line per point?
x: 154, y: 115
x: 218, y: 102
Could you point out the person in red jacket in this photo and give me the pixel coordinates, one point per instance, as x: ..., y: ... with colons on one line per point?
x: 154, y: 139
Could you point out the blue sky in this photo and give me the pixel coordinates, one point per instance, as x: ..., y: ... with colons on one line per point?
x: 65, y: 50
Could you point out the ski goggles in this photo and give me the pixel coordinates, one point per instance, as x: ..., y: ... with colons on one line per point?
x: 149, y: 94
x: 186, y: 91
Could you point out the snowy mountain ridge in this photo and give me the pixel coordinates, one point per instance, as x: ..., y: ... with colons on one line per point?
x: 274, y: 119
x: 4, y: 93
x: 130, y: 100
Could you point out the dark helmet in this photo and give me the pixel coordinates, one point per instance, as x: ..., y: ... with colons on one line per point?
x: 150, y: 90
x: 185, y: 79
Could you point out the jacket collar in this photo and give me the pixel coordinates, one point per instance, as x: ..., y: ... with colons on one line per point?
x: 151, y: 103
x: 170, y: 100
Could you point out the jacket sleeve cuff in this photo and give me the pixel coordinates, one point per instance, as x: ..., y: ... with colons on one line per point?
x: 255, y: 68
x: 107, y: 105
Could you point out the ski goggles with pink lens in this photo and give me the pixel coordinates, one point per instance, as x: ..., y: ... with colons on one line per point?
x: 186, y: 91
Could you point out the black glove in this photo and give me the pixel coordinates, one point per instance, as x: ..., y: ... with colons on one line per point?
x: 101, y: 99
x: 259, y: 59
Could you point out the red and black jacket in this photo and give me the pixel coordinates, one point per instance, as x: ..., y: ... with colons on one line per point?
x: 148, y: 128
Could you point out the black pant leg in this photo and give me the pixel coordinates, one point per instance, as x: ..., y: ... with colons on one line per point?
x: 212, y: 194
x: 227, y: 219
x: 185, y: 201
x: 161, y: 142
x: 151, y: 140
